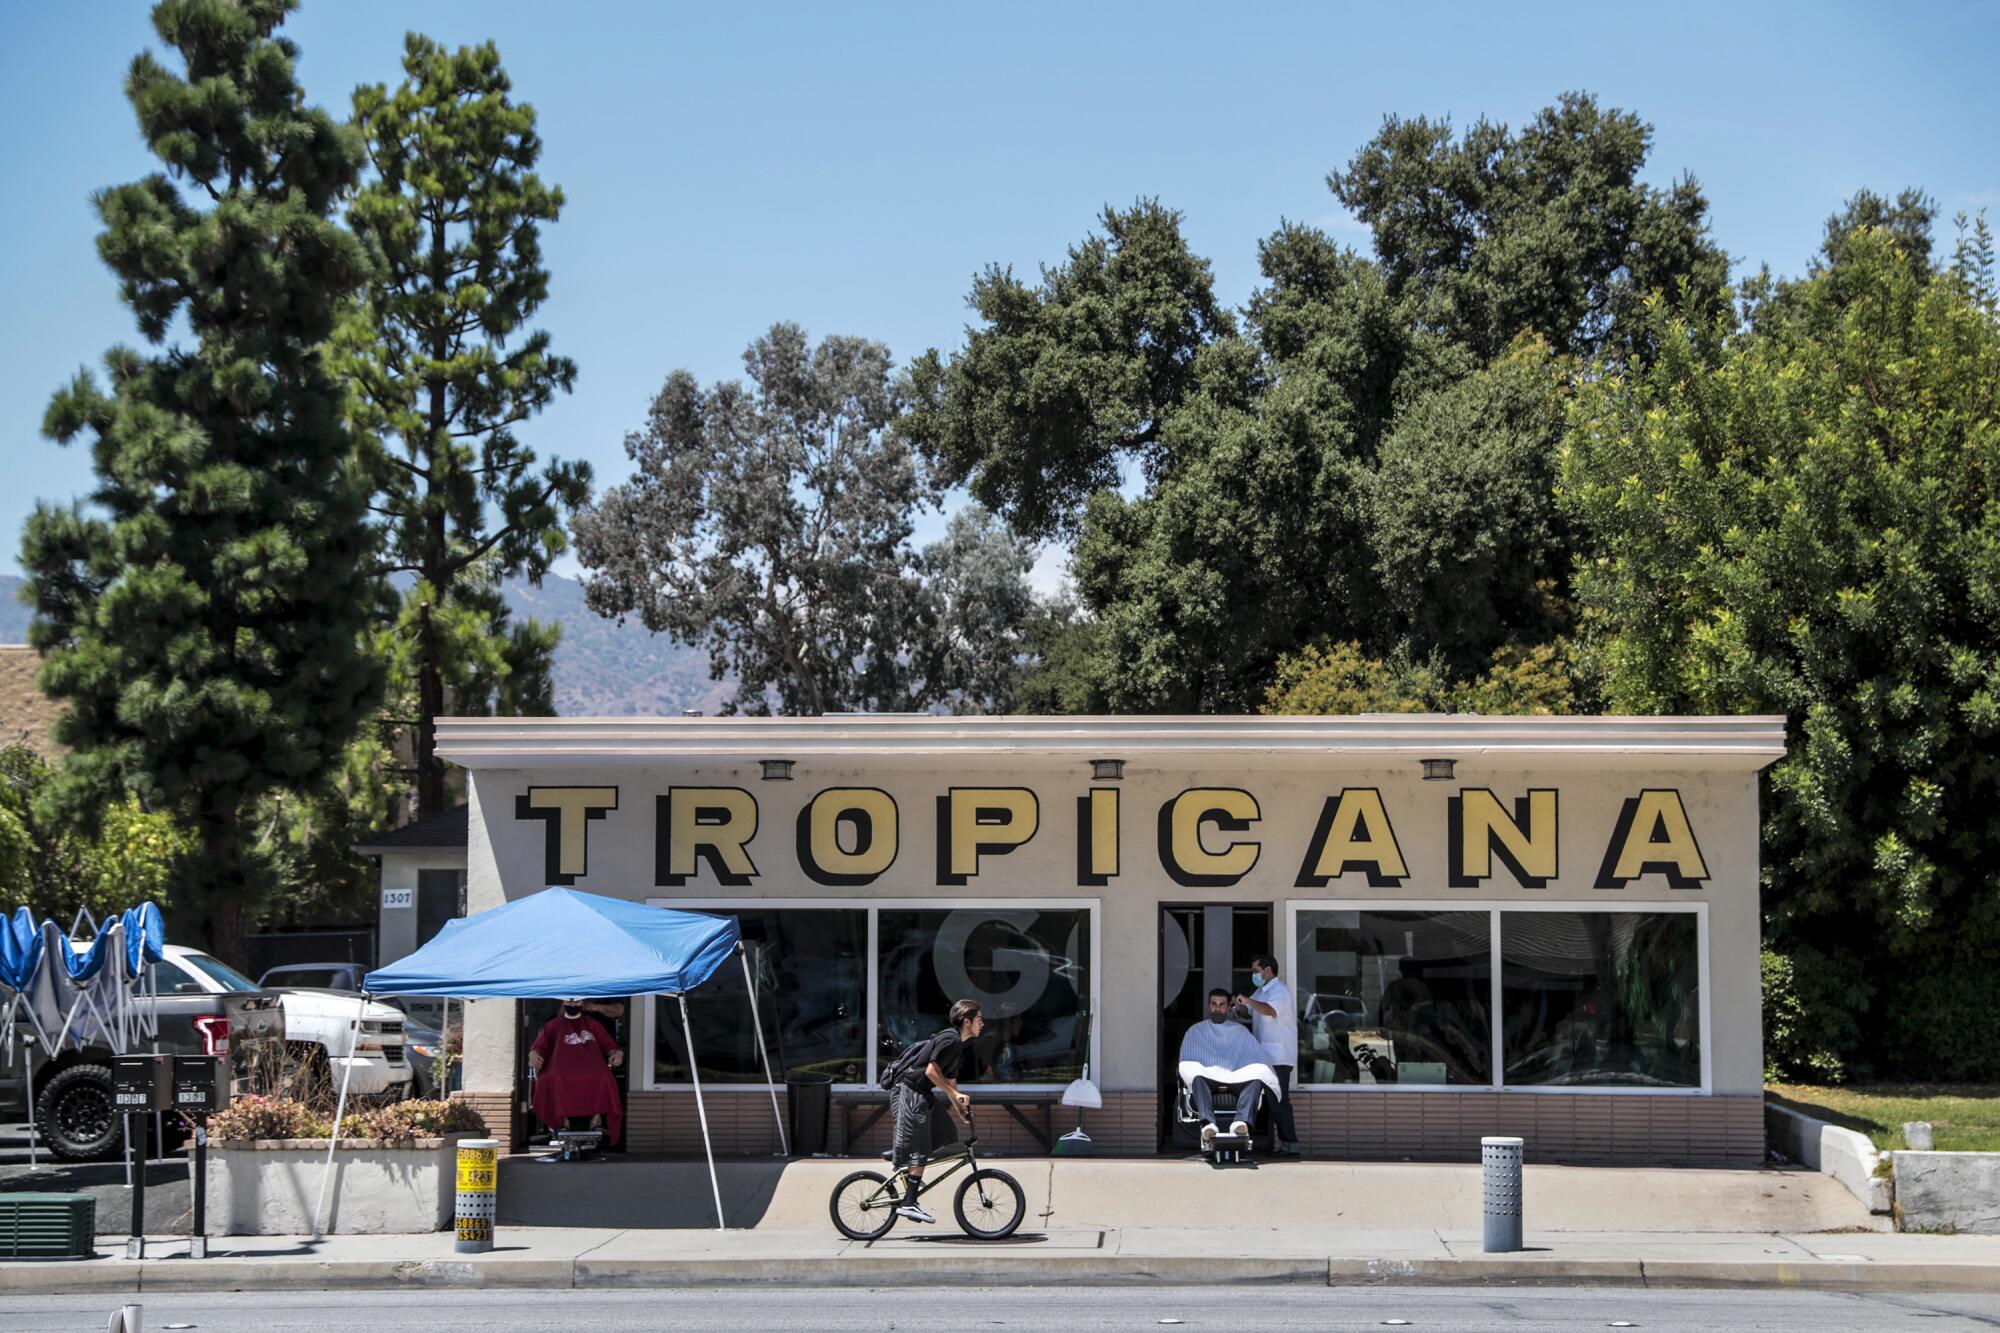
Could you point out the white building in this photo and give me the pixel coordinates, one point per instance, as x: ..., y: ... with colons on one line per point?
x: 1555, y: 933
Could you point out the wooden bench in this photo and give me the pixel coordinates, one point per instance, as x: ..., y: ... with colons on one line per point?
x: 875, y: 1104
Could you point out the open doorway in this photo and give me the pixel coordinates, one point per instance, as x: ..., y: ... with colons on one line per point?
x: 530, y: 1015
x: 1202, y: 946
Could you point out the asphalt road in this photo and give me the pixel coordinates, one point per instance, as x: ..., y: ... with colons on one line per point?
x: 1225, y: 1309
x: 168, y: 1200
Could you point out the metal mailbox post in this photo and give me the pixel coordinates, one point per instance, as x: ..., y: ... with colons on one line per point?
x: 200, y: 1088
x: 139, y: 1089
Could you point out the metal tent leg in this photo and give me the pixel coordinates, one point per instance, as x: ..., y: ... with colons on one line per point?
x: 339, y: 1110
x: 757, y: 1026
x: 701, y: 1109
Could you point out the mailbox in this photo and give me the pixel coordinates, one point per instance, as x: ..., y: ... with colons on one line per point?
x: 139, y: 1083
x: 198, y: 1084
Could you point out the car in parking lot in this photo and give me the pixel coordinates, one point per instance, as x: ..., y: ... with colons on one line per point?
x: 204, y: 1007
x: 319, y: 1024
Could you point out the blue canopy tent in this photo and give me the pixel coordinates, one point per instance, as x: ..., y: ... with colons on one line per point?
x: 561, y: 943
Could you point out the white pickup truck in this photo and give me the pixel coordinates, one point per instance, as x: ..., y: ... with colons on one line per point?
x: 318, y: 1023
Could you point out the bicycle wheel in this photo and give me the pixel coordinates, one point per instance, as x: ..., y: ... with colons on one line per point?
x: 861, y: 1206
x: 990, y: 1205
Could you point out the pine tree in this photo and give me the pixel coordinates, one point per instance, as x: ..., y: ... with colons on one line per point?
x: 202, y: 616
x: 453, y: 210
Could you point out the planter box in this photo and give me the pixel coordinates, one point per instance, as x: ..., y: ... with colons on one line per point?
x: 267, y: 1187
x: 1849, y: 1157
x: 1947, y: 1191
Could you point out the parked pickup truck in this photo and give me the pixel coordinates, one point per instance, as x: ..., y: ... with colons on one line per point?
x: 205, y: 1008
x: 319, y: 1021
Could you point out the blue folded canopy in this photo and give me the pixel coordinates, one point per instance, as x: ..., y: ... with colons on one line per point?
x: 560, y: 942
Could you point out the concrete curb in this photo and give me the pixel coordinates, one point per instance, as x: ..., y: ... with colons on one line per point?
x: 1827, y: 1275
x: 959, y: 1267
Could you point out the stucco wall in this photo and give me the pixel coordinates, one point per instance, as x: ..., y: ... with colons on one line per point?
x: 508, y: 860
x: 399, y: 924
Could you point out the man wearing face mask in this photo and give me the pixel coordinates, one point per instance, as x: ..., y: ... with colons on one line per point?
x: 572, y: 1058
x: 1277, y: 1031
x: 1221, y: 1054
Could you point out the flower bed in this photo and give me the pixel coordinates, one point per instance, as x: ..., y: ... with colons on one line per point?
x: 396, y: 1174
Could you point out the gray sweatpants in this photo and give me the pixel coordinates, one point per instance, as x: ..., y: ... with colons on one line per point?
x: 920, y: 1125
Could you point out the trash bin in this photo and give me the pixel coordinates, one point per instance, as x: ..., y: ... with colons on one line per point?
x: 809, y: 1099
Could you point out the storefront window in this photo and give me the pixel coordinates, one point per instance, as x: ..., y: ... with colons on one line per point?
x: 1601, y: 998
x: 1394, y: 997
x: 1029, y: 968
x: 812, y: 995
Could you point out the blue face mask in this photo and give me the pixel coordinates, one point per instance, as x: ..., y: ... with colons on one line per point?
x: 1257, y: 981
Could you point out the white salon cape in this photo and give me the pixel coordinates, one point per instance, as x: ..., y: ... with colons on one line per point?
x: 1224, y: 1053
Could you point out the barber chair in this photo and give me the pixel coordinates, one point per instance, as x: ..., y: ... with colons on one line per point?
x: 576, y: 1145
x: 1229, y: 1149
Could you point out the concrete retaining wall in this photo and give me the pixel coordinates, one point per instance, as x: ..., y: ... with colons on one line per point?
x: 1948, y: 1191
x: 1845, y: 1154
x: 268, y: 1187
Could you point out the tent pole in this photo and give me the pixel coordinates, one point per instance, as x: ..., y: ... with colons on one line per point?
x: 339, y: 1110
x: 757, y: 1024
x: 694, y: 1072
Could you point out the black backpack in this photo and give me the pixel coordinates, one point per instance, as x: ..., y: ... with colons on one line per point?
x: 914, y: 1057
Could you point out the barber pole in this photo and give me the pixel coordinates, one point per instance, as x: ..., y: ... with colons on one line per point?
x: 478, y: 1176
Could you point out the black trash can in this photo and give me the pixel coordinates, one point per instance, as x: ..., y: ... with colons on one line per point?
x: 809, y: 1099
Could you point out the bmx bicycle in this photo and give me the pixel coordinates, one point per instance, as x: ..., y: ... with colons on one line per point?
x: 989, y: 1203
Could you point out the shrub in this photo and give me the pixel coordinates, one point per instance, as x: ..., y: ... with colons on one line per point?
x: 403, y: 1122
x: 256, y: 1117
x: 1805, y: 1021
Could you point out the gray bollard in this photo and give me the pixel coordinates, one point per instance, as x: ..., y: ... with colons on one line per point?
x: 1500, y: 1171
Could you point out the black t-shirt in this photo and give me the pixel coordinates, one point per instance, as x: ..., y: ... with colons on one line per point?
x: 945, y: 1050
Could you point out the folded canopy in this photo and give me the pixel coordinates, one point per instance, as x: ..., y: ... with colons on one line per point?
x: 560, y: 942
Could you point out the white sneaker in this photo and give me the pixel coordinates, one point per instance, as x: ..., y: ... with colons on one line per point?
x: 1238, y: 1128
x: 1208, y: 1138
x: 915, y: 1212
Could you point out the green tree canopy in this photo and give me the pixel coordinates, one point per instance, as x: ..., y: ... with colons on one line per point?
x: 443, y: 363
x: 772, y: 522
x: 202, y: 617
x: 1367, y: 454
x: 1547, y: 229
x: 54, y: 867
x: 1800, y: 518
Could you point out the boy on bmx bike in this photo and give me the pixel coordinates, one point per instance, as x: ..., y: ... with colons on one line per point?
x: 924, y: 1100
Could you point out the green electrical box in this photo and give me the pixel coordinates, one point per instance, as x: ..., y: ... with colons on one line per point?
x: 48, y: 1226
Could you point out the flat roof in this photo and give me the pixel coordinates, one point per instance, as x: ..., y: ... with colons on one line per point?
x: 1738, y: 743
x: 445, y: 831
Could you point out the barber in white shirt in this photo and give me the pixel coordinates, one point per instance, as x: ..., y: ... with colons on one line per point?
x: 1274, y: 1022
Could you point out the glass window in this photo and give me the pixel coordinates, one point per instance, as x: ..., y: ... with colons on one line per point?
x: 170, y: 979
x: 308, y: 978
x: 1601, y: 998
x: 1029, y: 968
x: 812, y: 998
x: 1394, y: 997
x: 219, y: 971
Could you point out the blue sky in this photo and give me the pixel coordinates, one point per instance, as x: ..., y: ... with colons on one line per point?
x: 850, y: 167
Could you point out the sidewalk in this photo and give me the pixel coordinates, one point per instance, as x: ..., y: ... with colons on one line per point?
x: 583, y: 1258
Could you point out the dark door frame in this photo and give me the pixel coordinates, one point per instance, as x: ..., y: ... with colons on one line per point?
x: 1163, y: 1120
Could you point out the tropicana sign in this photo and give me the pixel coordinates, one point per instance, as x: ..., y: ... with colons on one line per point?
x: 1206, y: 837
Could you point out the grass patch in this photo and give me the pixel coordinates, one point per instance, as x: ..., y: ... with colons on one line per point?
x: 1965, y: 1117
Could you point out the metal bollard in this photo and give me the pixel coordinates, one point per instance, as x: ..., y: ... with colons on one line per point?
x: 478, y: 1174
x: 1500, y: 1172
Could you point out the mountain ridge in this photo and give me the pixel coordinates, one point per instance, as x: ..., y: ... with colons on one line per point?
x: 602, y: 668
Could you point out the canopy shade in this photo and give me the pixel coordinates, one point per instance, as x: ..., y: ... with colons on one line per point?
x: 560, y: 942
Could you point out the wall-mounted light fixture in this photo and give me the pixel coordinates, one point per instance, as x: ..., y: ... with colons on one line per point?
x: 777, y: 770
x: 1107, y: 770
x: 1437, y: 770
